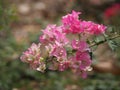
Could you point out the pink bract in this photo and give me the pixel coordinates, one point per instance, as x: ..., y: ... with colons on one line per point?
x: 79, y: 45
x: 71, y: 23
x: 58, y: 52
x: 64, y: 65
x: 53, y: 33
x: 84, y: 57
x: 33, y: 57
x: 92, y: 28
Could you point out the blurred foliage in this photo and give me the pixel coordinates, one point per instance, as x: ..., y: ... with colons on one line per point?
x: 102, y: 82
x: 7, y: 14
x: 15, y: 75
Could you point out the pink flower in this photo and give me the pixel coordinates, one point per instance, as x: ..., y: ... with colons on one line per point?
x: 80, y: 63
x: 71, y: 23
x: 69, y: 17
x: 92, y: 28
x: 98, y: 29
x: 64, y: 65
x: 60, y: 37
x: 31, y: 54
x: 75, y: 66
x: 79, y: 45
x: 33, y: 57
x: 86, y: 25
x: 84, y: 57
x: 52, y: 34
x: 59, y: 52
x: 48, y: 35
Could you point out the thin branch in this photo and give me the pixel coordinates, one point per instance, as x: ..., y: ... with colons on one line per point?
x: 94, y: 44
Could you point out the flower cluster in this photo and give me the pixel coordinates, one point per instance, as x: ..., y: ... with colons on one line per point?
x: 112, y: 11
x: 58, y: 50
x: 33, y: 57
x: 73, y: 25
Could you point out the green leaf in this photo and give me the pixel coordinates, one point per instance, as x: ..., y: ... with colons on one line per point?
x: 110, y: 29
x: 112, y: 44
x: 99, y: 39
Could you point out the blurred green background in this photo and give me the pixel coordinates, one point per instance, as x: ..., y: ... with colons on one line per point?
x: 20, y: 25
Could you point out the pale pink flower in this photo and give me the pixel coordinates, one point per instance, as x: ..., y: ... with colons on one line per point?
x: 64, y: 65
x: 84, y: 57
x: 59, y: 52
x: 53, y: 33
x: 60, y: 37
x: 74, y: 64
x: 32, y: 53
x: 80, y: 63
x: 33, y: 56
x: 75, y: 67
x: 41, y: 67
x: 48, y: 35
x: 79, y: 45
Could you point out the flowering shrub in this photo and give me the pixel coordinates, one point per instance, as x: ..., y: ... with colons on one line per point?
x: 64, y: 47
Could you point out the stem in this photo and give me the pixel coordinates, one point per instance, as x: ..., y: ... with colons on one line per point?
x: 94, y: 44
x: 79, y: 36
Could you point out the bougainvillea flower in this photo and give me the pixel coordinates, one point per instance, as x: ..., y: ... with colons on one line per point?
x: 31, y: 54
x: 84, y: 57
x: 79, y: 45
x: 112, y: 11
x: 59, y: 52
x: 79, y: 66
x: 53, y: 33
x: 71, y: 23
x: 33, y: 57
x: 92, y: 28
x: 64, y: 65
x: 56, y: 51
x: 47, y: 35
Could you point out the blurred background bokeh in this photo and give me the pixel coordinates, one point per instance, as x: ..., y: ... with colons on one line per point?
x: 21, y: 22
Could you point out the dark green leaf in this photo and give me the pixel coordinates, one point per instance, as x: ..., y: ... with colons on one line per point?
x: 112, y: 44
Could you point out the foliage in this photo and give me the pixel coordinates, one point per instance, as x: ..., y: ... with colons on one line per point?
x: 7, y: 14
x: 15, y: 75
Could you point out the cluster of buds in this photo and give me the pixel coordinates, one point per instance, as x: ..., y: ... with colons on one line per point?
x: 59, y: 49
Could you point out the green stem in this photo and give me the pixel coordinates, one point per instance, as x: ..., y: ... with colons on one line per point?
x: 94, y: 44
